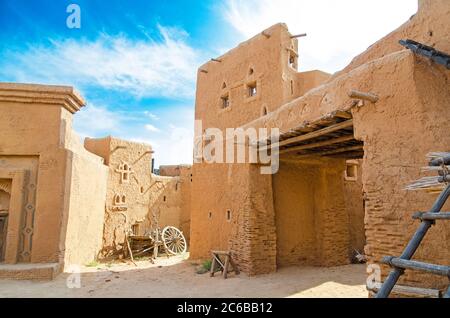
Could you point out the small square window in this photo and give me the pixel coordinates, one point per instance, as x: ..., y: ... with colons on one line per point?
x: 351, y: 172
x: 135, y: 229
x: 252, y: 89
x: 225, y: 101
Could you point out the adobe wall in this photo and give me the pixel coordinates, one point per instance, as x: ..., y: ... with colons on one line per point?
x: 180, y: 198
x: 212, y: 190
x: 263, y: 60
x: 313, y: 220
x: 354, y: 204
x: 129, y: 189
x: 409, y: 120
x: 136, y: 199
x: 35, y: 151
x: 295, y: 213
x: 412, y: 106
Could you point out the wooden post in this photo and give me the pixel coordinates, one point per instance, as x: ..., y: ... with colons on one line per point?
x: 225, y: 267
x: 267, y: 35
x: 364, y: 96
x: 213, y: 265
x: 298, y: 35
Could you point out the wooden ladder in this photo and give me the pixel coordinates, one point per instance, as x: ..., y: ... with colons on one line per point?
x: 400, y: 264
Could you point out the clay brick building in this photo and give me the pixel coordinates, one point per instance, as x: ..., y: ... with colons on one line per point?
x: 344, y: 161
x: 63, y: 203
x: 137, y: 199
x: 52, y: 190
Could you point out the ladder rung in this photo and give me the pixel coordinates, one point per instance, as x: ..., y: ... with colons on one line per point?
x: 431, y: 216
x: 420, y: 266
x: 408, y: 290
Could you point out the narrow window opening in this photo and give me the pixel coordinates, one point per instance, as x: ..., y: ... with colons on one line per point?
x: 252, y: 89
x: 164, y: 198
x: 293, y: 59
x: 210, y: 215
x: 135, y: 229
x: 228, y: 215
x: 292, y: 87
x: 142, y: 190
x: 225, y: 101
x: 264, y: 111
x: 224, y: 85
x: 250, y: 71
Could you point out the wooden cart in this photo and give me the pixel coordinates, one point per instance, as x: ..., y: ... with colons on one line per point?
x: 171, y: 240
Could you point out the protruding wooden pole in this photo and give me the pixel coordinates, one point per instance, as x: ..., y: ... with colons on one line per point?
x: 364, y: 96
x: 298, y: 35
x: 216, y: 60
x: 204, y: 71
x: 267, y: 35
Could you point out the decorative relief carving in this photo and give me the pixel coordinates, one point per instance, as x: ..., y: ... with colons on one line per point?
x: 119, y: 203
x: 5, y: 186
x: 125, y: 172
x: 28, y: 222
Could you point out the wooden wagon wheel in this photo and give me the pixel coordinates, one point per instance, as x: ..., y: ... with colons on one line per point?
x: 173, y: 240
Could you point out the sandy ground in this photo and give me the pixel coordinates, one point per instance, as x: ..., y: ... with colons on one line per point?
x: 176, y: 277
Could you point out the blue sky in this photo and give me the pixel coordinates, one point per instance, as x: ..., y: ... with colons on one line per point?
x: 135, y: 61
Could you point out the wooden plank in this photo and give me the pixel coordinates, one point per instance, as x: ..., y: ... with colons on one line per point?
x: 342, y: 114
x: 441, y: 270
x: 225, y: 267
x: 335, y: 151
x: 213, y: 265
x: 318, y: 144
x: 313, y: 134
x: 432, y: 216
x: 221, y: 252
x: 400, y: 289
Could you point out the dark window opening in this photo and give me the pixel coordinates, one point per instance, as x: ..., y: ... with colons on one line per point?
x: 252, y: 90
x: 225, y: 101
x: 264, y: 111
x: 228, y: 215
x: 135, y: 229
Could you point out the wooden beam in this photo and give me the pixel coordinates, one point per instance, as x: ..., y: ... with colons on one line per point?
x: 319, y: 144
x: 313, y: 134
x: 298, y: 35
x: 400, y: 289
x: 342, y: 114
x: 334, y: 151
x: 364, y: 96
x: 267, y: 35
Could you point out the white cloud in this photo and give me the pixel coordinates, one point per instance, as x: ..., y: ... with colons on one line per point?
x: 94, y: 120
x: 162, y: 68
x: 151, y: 128
x: 151, y: 115
x: 337, y: 30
